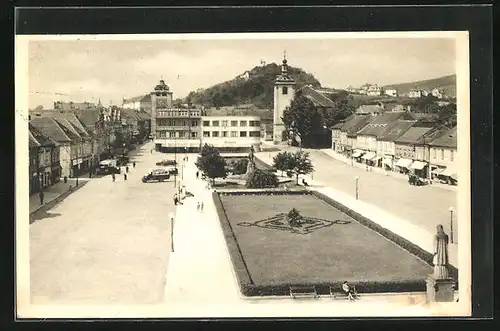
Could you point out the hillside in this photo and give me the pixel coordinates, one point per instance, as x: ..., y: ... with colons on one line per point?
x: 256, y: 89
x: 448, y: 83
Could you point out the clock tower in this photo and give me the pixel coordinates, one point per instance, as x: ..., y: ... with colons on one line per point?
x: 161, y: 98
x: 284, y: 91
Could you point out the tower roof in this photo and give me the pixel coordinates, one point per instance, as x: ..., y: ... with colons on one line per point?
x: 284, y: 77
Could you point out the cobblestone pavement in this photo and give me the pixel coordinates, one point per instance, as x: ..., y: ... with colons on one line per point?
x: 107, y: 243
x: 424, y: 206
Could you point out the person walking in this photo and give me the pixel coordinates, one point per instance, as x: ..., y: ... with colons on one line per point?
x: 175, y: 199
x: 197, y: 174
x: 126, y: 168
x: 198, y: 206
x: 133, y: 165
x: 201, y: 206
x: 41, y: 195
x: 124, y: 176
x: 113, y: 176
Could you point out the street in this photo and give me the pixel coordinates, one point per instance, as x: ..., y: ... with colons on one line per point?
x: 107, y: 243
x: 424, y: 206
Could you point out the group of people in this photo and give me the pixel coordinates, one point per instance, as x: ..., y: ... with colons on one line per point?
x: 113, y: 176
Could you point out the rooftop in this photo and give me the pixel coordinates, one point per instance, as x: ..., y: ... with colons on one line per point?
x: 140, y: 98
x: 447, y: 139
x: 395, y: 130
x: 413, y: 135
x: 50, y: 128
x: 355, y: 124
x: 317, y: 96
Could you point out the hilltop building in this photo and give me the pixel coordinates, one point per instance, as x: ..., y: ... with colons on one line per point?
x: 284, y: 91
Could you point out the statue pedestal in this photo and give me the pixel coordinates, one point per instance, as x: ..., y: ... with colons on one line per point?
x: 440, y: 290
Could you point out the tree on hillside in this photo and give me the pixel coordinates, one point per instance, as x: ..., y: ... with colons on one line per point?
x: 300, y: 164
x: 211, y: 163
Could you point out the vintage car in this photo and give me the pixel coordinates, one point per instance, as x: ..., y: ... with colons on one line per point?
x: 166, y: 163
x: 415, y: 180
x: 156, y: 175
x: 107, y: 167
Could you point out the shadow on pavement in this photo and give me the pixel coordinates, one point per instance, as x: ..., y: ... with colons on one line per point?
x: 41, y: 215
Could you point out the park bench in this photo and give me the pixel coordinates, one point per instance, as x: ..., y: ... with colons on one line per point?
x: 340, y: 295
x: 303, y: 292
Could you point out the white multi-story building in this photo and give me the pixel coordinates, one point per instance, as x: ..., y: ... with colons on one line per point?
x: 391, y: 92
x: 231, y: 133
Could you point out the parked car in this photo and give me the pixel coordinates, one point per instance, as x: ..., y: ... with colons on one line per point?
x: 415, y: 180
x: 107, y: 167
x: 166, y: 163
x: 156, y: 175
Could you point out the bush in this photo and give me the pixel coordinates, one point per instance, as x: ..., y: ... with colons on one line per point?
x: 240, y: 166
x: 293, y: 217
x: 261, y: 179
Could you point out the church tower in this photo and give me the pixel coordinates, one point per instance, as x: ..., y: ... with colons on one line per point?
x: 284, y: 91
x: 161, y: 98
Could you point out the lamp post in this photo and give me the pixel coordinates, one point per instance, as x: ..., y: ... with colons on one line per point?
x: 357, y: 187
x: 175, y: 159
x: 171, y: 216
x: 451, y: 224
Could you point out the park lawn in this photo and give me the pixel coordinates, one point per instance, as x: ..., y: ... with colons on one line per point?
x: 332, y: 254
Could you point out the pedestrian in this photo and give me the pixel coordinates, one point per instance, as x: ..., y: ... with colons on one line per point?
x: 201, y: 206
x: 198, y: 206
x: 133, y: 165
x: 113, y: 176
x: 126, y: 168
x: 197, y: 174
x: 175, y: 200
x: 125, y: 176
x: 90, y: 173
x: 41, y: 195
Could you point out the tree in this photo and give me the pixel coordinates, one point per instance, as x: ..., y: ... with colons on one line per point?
x: 300, y: 164
x: 211, y: 163
x: 240, y: 166
x: 261, y: 179
x: 282, y: 161
x: 293, y: 218
x: 301, y: 118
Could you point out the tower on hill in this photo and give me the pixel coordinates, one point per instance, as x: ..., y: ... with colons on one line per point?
x: 284, y: 91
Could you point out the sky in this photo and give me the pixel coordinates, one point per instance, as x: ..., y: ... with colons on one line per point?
x: 86, y: 70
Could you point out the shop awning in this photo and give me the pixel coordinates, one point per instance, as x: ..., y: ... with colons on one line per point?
x: 357, y: 154
x: 369, y: 156
x: 437, y: 171
x: 403, y: 163
x: 417, y: 165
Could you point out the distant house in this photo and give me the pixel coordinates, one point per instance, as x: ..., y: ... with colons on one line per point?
x: 392, y: 92
x: 142, y: 102
x: 45, y: 167
x: 425, y: 93
x: 443, y: 154
x: 61, y: 105
x: 351, y: 89
x: 245, y: 75
x: 348, y: 133
x: 438, y: 93
x: 415, y: 93
x: 370, y: 109
x: 374, y: 90
x: 386, y: 147
x: 411, y: 152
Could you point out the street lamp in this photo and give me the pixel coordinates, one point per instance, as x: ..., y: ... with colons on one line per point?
x: 357, y: 187
x: 451, y: 224
x: 171, y: 216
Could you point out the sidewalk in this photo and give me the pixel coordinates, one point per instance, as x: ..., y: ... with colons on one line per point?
x: 199, y: 268
x: 394, y: 174
x: 53, y: 192
x: 417, y: 235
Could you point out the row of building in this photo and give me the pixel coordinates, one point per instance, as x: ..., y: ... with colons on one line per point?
x: 68, y: 141
x: 375, y: 90
x: 397, y: 141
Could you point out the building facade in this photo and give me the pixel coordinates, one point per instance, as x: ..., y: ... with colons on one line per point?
x: 161, y: 100
x: 177, y: 129
x: 231, y: 133
x: 284, y: 91
x: 392, y: 92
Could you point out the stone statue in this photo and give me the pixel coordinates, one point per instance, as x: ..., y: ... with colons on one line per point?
x: 440, y: 260
x: 251, y: 156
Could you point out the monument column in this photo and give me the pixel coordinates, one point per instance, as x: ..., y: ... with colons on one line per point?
x: 440, y: 287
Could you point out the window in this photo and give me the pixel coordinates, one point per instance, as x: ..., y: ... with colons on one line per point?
x: 243, y: 123
x: 215, y: 134
x: 442, y: 154
x: 285, y: 90
x: 206, y: 123
x: 171, y: 134
x: 194, y: 123
x: 243, y: 133
x: 434, y: 153
x: 224, y: 124
x: 254, y: 133
x: 224, y: 134
x: 184, y: 123
x: 215, y: 123
x: 234, y: 134
x: 451, y: 155
x: 206, y: 134
x: 194, y: 134
x: 234, y: 123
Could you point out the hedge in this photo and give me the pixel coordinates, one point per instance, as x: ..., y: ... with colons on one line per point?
x: 249, y: 288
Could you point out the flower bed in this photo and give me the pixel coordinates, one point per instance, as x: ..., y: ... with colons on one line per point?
x: 254, y: 282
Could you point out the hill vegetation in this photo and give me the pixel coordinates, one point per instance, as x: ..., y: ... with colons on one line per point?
x: 256, y: 90
x: 447, y: 83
